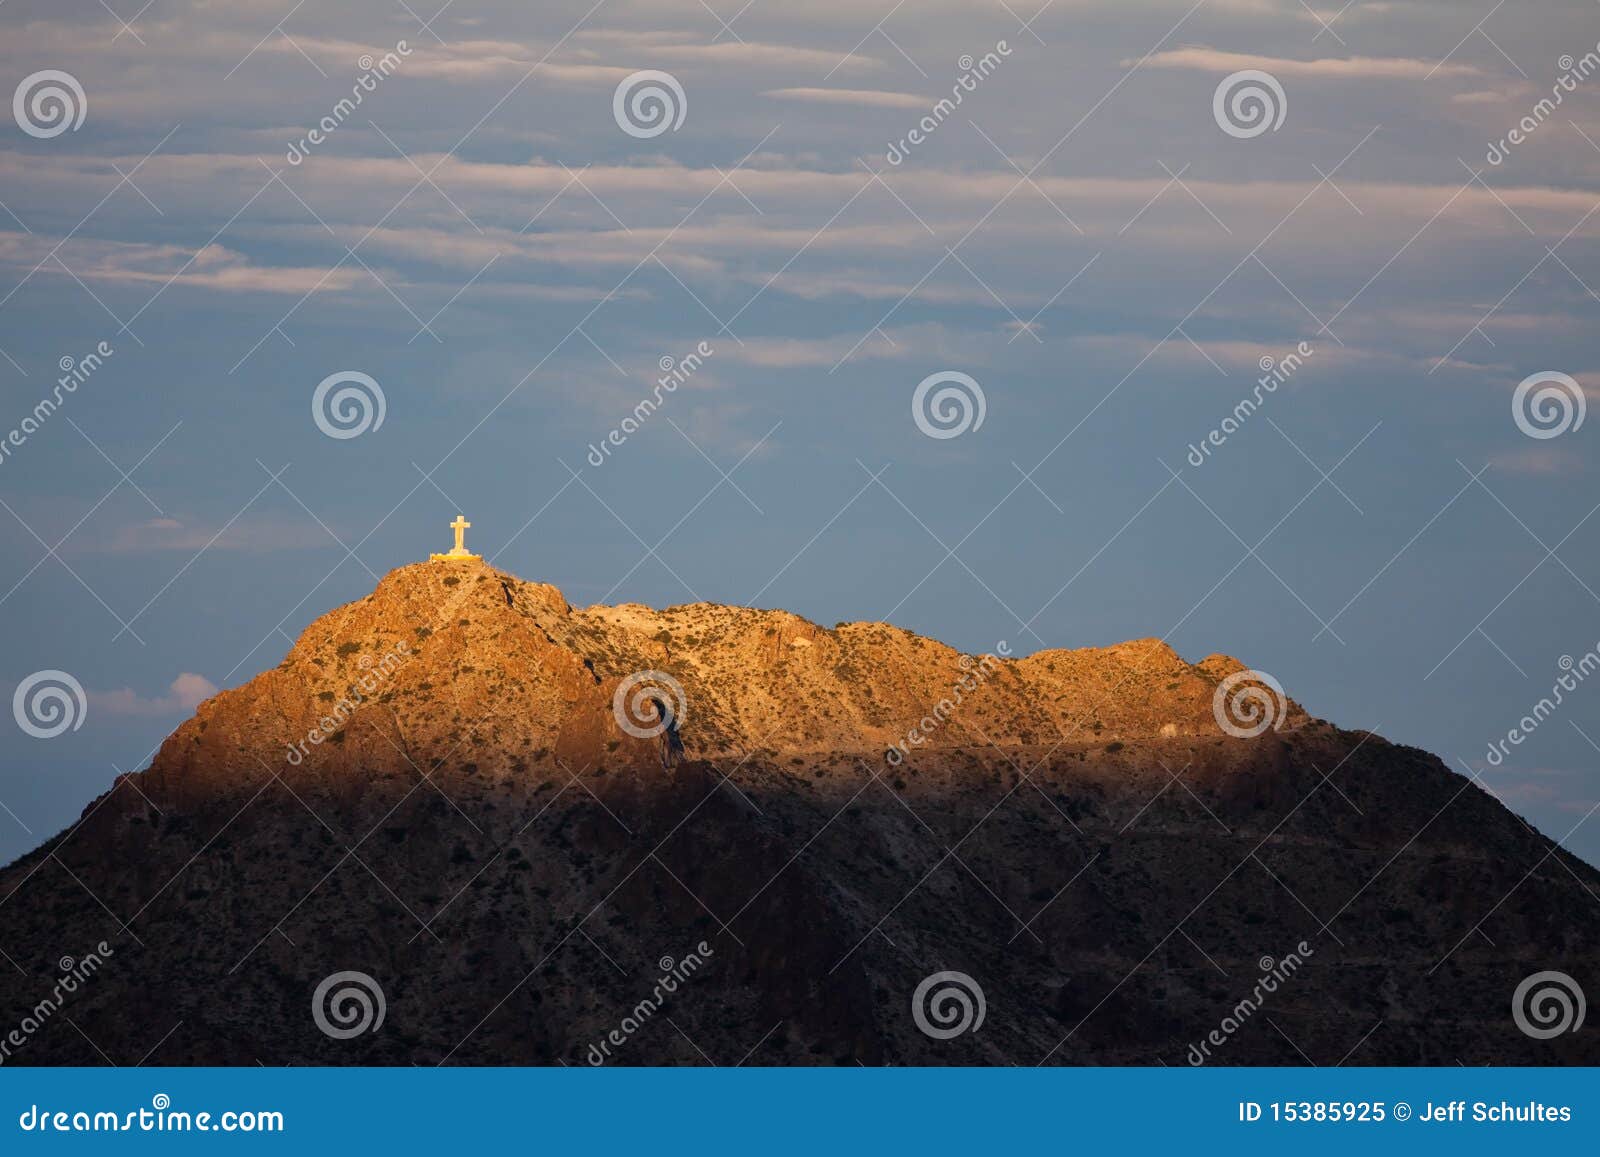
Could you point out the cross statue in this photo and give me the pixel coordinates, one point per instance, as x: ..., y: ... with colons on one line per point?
x: 460, y: 553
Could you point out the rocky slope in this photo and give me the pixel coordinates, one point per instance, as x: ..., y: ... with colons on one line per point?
x: 440, y: 788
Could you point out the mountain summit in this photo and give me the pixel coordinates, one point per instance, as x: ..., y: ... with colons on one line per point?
x: 464, y: 664
x: 464, y: 822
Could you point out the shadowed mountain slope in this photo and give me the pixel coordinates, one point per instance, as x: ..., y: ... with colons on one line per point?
x: 441, y: 787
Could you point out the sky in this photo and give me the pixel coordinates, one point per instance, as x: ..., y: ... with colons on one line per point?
x: 303, y: 331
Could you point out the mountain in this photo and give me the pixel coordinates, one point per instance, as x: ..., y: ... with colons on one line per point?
x: 455, y: 826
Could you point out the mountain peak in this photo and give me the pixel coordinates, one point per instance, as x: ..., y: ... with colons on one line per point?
x: 446, y: 780
x: 458, y: 661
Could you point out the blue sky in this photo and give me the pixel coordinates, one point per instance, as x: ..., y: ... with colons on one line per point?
x: 1080, y: 236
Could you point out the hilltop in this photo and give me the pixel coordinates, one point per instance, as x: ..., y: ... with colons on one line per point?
x: 457, y: 786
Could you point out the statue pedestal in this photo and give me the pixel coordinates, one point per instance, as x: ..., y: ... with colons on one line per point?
x: 455, y: 556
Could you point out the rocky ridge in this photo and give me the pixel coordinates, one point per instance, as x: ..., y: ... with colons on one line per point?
x: 435, y: 788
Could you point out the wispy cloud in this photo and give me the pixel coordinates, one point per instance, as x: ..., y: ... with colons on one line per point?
x: 1328, y: 67
x: 170, y: 534
x: 186, y: 693
x: 212, y: 267
x: 1538, y: 460
x: 853, y: 96
x: 779, y: 352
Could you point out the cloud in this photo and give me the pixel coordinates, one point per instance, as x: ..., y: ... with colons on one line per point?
x: 874, y: 97
x: 164, y: 534
x: 1560, y: 788
x: 1483, y: 96
x: 186, y: 693
x: 782, y: 352
x: 212, y: 267
x: 459, y: 60
x: 572, y: 229
x: 475, y: 59
x: 1330, y: 68
x: 1543, y: 459
x: 729, y: 52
